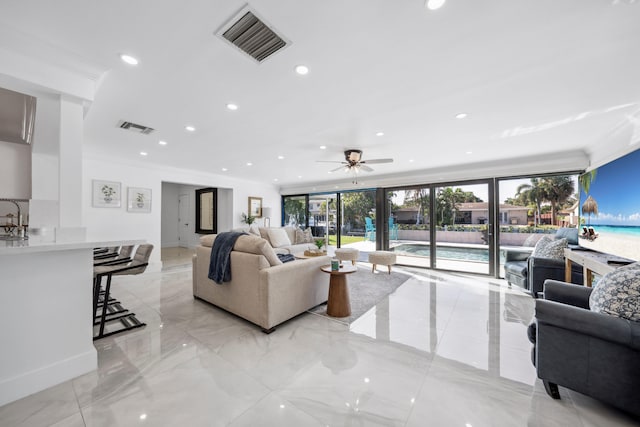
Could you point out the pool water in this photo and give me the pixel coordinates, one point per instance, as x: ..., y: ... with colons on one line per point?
x: 444, y: 252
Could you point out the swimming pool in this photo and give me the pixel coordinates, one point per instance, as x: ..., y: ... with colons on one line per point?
x: 443, y: 252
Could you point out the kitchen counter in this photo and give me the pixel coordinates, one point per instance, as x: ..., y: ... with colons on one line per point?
x: 46, y: 296
x: 28, y: 246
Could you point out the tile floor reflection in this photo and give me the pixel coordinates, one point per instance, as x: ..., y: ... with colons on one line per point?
x: 443, y: 350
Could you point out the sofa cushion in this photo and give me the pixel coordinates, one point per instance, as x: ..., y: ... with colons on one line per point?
x: 256, y: 245
x: 278, y: 237
x: 550, y: 248
x: 303, y: 236
x: 618, y: 293
x: 291, y: 233
x: 571, y: 234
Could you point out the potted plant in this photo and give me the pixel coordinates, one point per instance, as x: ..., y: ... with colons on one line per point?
x: 108, y: 193
x: 319, y: 243
x: 247, y: 218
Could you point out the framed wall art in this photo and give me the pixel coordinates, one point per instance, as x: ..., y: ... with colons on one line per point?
x: 106, y: 194
x: 139, y: 199
x: 255, y: 207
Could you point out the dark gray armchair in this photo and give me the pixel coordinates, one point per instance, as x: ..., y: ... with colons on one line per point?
x: 591, y: 353
x: 530, y: 272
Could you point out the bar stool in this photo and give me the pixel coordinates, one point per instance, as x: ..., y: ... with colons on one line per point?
x: 111, y: 309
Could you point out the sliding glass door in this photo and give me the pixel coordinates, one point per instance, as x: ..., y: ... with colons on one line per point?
x: 408, y: 225
x: 463, y: 227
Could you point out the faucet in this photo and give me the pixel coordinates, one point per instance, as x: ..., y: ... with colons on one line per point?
x: 15, y: 202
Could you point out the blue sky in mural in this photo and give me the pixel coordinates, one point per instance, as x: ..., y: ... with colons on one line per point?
x: 616, y: 189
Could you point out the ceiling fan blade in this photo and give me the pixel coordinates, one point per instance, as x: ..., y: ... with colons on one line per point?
x: 366, y: 168
x: 374, y: 161
x: 338, y: 168
x: 331, y: 161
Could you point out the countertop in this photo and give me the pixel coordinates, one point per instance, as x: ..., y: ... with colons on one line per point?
x: 29, y: 246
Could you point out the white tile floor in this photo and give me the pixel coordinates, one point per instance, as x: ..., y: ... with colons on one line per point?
x: 443, y: 350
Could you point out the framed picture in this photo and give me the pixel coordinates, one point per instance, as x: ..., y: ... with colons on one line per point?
x: 255, y: 206
x: 138, y: 199
x: 106, y: 194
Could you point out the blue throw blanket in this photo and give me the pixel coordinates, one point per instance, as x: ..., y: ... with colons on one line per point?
x: 220, y: 261
x: 286, y: 257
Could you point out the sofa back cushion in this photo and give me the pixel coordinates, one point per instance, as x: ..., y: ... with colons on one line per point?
x: 618, y: 293
x: 250, y: 244
x: 571, y: 234
x: 550, y: 248
x: 278, y: 237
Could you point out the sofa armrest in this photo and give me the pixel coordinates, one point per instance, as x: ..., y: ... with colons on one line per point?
x: 567, y: 293
x: 516, y: 255
x: 586, y: 322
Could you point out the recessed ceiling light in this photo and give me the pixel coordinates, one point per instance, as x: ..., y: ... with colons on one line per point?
x: 143, y: 153
x: 435, y: 4
x: 232, y: 107
x: 280, y: 157
x: 249, y: 164
x: 275, y: 179
x: 323, y: 147
x: 129, y: 59
x: 189, y: 128
x: 380, y: 134
x: 302, y: 70
x: 469, y: 152
x: 461, y: 115
x: 162, y: 142
x: 411, y: 160
x: 224, y: 169
x: 299, y: 176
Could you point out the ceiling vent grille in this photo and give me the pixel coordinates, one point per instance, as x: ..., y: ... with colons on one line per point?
x: 133, y: 127
x: 252, y: 36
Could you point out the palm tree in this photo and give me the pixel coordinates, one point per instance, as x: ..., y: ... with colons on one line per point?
x: 586, y: 179
x: 533, y: 193
x: 557, y: 189
x: 418, y: 197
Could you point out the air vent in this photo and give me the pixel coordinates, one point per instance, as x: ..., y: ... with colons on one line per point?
x: 133, y: 127
x: 251, y: 35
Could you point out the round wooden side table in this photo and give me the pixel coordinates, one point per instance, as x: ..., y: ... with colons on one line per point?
x: 338, y: 304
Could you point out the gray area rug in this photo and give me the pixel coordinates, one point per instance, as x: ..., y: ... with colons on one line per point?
x: 366, y: 289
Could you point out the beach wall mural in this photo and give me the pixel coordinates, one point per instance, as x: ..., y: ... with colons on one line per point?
x: 615, y: 189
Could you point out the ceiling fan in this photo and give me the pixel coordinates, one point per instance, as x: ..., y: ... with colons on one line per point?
x: 353, y: 163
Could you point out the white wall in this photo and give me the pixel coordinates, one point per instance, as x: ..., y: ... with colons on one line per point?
x: 117, y: 223
x: 169, y: 215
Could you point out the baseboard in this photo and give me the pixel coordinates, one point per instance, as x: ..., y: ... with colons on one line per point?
x: 42, y: 378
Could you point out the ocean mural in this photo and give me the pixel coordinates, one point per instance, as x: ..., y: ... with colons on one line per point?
x: 616, y: 190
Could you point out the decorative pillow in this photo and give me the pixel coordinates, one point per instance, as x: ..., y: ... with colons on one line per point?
x: 256, y: 245
x: 531, y: 240
x: 618, y: 293
x: 571, y: 234
x: 549, y: 248
x: 278, y: 237
x: 304, y: 236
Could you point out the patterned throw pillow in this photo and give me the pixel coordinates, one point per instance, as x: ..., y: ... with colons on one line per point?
x: 618, y: 293
x: 304, y: 236
x: 550, y: 248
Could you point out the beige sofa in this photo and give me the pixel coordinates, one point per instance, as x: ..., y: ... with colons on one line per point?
x: 293, y: 244
x: 262, y: 289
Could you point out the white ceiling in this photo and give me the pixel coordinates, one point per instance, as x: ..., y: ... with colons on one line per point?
x: 546, y: 78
